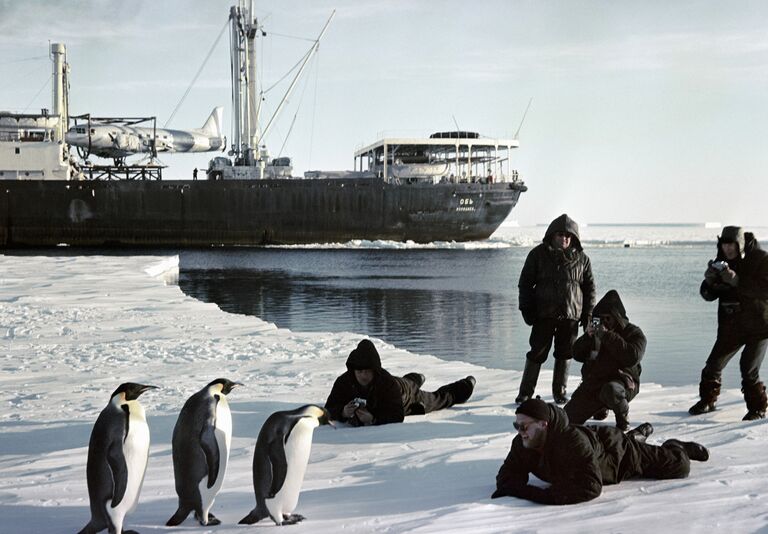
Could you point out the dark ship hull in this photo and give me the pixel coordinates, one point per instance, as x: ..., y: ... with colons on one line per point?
x: 247, y: 212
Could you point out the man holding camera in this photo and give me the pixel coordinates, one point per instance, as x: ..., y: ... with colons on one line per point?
x: 738, y: 278
x: 556, y: 291
x: 611, y: 350
x: 367, y: 394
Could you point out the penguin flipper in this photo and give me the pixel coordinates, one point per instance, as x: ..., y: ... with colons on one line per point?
x: 211, y: 450
x: 279, y: 466
x: 117, y: 465
x: 90, y: 529
x: 179, y: 517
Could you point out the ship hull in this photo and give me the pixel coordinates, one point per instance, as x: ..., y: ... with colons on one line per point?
x: 247, y: 212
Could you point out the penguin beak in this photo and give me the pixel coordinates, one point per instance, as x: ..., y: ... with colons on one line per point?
x: 146, y: 388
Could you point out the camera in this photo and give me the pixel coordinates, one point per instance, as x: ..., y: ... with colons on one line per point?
x: 359, y: 402
x: 595, y: 322
x: 719, y: 265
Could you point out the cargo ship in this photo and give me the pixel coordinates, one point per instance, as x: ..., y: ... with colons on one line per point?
x: 449, y: 186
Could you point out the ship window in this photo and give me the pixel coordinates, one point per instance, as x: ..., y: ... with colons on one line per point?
x: 18, y: 151
x: 93, y: 131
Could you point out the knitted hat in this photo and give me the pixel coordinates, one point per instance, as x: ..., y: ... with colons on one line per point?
x: 534, y: 408
x: 365, y: 356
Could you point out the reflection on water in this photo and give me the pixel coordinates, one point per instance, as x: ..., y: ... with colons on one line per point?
x: 457, y: 304
x: 434, y: 309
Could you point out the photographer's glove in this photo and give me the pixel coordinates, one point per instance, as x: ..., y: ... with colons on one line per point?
x: 711, y: 276
x: 730, y: 277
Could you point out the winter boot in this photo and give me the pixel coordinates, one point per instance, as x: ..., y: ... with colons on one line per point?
x: 560, y: 380
x: 709, y: 390
x: 641, y: 432
x: 528, y: 383
x: 416, y: 378
x: 695, y: 451
x: 460, y: 391
x: 754, y: 395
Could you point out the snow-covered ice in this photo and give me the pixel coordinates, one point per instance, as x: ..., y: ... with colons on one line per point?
x: 72, y: 328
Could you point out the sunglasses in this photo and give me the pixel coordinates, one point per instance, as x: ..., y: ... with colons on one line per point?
x: 523, y: 427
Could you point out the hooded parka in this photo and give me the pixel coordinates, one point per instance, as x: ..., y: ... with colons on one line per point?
x: 554, y: 283
x: 578, y: 461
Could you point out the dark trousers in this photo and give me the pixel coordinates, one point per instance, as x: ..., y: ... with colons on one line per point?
x: 592, y: 396
x: 729, y: 341
x: 416, y: 401
x: 564, y: 333
x: 662, y: 462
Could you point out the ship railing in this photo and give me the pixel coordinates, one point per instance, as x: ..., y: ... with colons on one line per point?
x: 513, y: 177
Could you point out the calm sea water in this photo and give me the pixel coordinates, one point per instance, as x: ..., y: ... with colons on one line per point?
x: 459, y: 301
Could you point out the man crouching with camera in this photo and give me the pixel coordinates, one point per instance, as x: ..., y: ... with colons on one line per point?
x: 610, y: 350
x: 738, y: 279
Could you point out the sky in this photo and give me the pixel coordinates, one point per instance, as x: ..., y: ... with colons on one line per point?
x: 640, y: 112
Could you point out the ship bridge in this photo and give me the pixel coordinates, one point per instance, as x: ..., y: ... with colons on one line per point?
x: 442, y: 157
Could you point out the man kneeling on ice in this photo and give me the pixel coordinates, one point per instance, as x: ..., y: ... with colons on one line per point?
x: 578, y: 460
x: 368, y: 395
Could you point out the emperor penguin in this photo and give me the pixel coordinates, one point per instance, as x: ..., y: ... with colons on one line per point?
x: 201, y: 442
x: 117, y: 459
x: 280, y: 461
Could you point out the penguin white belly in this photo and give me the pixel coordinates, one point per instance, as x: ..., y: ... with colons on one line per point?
x: 136, y: 452
x: 223, y: 433
x: 297, y: 450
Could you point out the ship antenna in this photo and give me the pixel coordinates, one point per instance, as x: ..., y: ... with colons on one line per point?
x: 197, y: 75
x: 457, y: 125
x: 523, y: 119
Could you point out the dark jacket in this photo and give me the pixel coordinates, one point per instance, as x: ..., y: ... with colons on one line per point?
x: 576, y: 460
x: 557, y: 284
x: 620, y: 350
x: 746, y: 305
x: 383, y: 395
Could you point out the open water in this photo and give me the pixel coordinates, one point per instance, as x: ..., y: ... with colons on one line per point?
x: 459, y: 301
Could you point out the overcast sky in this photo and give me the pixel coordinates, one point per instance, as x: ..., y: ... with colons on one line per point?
x: 650, y: 111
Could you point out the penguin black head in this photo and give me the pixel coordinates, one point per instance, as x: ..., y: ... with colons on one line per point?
x: 132, y: 390
x: 226, y: 385
x: 321, y: 414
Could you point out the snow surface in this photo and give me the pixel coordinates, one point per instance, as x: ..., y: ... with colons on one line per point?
x: 72, y: 328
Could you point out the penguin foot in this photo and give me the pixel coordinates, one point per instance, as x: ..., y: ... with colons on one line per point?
x: 292, y: 519
x: 251, y: 518
x: 212, y: 520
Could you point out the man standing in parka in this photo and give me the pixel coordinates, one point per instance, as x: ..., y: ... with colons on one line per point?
x: 578, y: 460
x: 611, y: 352
x: 368, y: 395
x: 556, y: 291
x: 739, y: 279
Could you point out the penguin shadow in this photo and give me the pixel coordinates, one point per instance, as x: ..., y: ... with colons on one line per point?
x: 56, y: 436
x: 401, y: 488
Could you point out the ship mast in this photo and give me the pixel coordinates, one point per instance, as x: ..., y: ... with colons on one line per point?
x: 246, y: 98
x: 60, y: 104
x: 244, y: 29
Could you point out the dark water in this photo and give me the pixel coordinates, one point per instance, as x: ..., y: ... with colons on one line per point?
x: 457, y: 304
